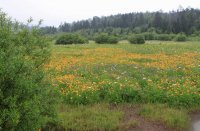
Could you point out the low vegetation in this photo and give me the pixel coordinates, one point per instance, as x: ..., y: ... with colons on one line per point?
x: 122, y: 73
x: 71, y: 39
x: 85, y: 118
x: 165, y: 37
x: 181, y: 37
x: 174, y: 118
x: 137, y: 39
x: 106, y: 39
x: 94, y: 86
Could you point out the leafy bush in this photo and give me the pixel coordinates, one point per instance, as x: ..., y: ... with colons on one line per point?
x: 149, y: 35
x: 137, y: 39
x: 165, y: 37
x: 196, y: 33
x: 113, y: 40
x: 27, y: 98
x: 104, y: 38
x: 181, y: 37
x: 71, y: 39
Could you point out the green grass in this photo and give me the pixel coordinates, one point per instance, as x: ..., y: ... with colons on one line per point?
x: 143, y: 60
x: 87, y: 118
x: 117, y: 81
x: 134, y: 82
x: 114, y: 82
x: 174, y: 118
x: 129, y: 125
x: 151, y: 47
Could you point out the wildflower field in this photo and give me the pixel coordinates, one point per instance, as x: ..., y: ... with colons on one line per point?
x: 166, y: 73
x: 155, y: 72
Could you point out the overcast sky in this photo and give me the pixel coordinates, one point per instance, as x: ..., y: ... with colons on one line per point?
x: 53, y: 12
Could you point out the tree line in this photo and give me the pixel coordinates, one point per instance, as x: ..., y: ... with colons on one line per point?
x: 182, y: 20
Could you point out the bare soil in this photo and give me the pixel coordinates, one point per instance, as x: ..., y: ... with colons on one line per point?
x: 131, y: 114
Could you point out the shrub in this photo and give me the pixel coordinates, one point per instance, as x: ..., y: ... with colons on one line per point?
x: 27, y: 98
x: 112, y: 40
x: 137, y: 39
x: 181, y: 37
x: 71, y: 39
x: 165, y: 37
x: 196, y: 33
x: 149, y: 35
x: 102, y: 39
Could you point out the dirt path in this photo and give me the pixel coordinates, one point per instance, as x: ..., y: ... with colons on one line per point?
x: 142, y: 124
x: 195, y: 119
x: 134, y: 122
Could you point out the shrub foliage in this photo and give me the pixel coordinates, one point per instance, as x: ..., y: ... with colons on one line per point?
x: 104, y: 38
x: 165, y: 37
x: 113, y: 40
x: 26, y: 101
x: 71, y: 39
x: 181, y: 37
x: 137, y: 39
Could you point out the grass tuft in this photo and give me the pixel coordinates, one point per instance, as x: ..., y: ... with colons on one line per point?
x: 85, y: 118
x: 173, y: 118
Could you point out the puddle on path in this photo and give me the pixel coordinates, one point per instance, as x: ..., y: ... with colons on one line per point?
x: 195, y: 122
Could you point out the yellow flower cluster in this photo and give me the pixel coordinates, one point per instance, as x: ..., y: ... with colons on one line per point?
x: 119, y: 56
x: 178, y: 88
x: 101, y: 56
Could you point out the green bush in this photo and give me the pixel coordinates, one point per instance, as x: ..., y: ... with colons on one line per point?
x: 113, y: 40
x: 149, y: 35
x: 104, y: 38
x: 71, y: 39
x: 181, y: 37
x: 137, y: 39
x: 26, y: 96
x: 196, y: 33
x: 165, y: 37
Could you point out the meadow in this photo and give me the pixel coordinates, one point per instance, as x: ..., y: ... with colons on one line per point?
x: 126, y: 72
x: 102, y: 82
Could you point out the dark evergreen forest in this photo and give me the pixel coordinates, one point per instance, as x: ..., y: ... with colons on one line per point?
x: 182, y: 20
